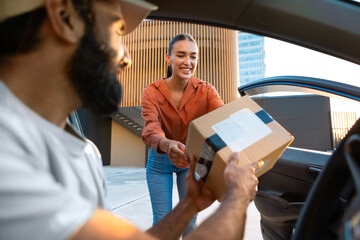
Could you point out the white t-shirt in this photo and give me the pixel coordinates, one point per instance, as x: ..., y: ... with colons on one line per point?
x: 51, y: 180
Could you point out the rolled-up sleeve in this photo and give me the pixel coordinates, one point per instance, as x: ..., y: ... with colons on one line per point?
x: 214, y: 99
x: 152, y: 132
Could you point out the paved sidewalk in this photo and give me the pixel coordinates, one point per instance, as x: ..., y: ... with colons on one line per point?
x: 128, y: 197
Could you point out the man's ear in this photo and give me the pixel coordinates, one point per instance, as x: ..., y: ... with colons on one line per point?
x: 64, y: 20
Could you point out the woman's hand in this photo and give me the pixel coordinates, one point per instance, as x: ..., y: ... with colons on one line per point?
x: 175, y: 151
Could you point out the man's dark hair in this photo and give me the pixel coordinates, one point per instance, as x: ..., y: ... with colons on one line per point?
x: 19, y: 34
x: 180, y: 37
x: 14, y: 30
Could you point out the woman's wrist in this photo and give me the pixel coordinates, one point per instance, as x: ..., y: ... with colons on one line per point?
x: 164, y: 145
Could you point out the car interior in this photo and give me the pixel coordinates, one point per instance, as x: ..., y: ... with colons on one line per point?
x: 308, y: 194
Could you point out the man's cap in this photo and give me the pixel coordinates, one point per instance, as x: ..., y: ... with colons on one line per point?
x: 134, y: 11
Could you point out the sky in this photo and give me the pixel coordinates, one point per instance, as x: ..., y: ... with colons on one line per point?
x: 283, y: 58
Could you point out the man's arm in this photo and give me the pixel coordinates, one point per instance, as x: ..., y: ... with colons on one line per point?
x: 241, y: 183
x: 198, y: 197
x: 105, y: 226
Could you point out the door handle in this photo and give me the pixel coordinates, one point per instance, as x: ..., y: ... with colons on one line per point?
x: 313, y: 171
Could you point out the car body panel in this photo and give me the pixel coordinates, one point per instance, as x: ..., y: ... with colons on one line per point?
x: 308, y: 23
x: 301, y: 84
x: 282, y: 191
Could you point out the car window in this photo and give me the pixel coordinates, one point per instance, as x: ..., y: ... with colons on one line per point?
x: 283, y: 58
x: 264, y: 57
x: 355, y: 1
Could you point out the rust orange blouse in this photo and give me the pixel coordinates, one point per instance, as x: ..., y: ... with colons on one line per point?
x: 163, y: 119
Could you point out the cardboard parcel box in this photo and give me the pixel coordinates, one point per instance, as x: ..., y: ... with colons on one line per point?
x: 240, y: 126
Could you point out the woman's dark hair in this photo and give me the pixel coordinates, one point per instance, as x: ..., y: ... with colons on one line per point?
x: 180, y: 37
x: 19, y: 34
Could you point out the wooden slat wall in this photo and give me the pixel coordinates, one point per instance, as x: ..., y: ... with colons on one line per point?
x: 218, y: 57
x: 341, y: 123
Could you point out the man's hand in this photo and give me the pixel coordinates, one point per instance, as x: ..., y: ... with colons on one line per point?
x: 197, y: 198
x: 241, y: 180
x: 241, y: 188
x: 175, y: 151
x: 197, y: 190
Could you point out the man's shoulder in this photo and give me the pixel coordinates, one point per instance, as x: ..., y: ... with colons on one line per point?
x: 12, y: 124
x: 14, y: 118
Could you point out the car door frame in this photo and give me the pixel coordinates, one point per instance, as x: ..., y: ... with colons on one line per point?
x: 283, y: 190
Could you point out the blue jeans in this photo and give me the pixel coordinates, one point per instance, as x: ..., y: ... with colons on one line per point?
x: 159, y: 177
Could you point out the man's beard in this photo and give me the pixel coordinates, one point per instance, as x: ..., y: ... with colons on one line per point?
x: 93, y: 74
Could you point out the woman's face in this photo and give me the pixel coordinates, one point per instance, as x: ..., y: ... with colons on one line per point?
x: 183, y: 59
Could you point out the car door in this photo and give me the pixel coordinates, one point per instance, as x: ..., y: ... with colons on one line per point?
x: 282, y: 191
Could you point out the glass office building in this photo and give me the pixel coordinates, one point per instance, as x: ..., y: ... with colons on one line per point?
x: 251, y: 57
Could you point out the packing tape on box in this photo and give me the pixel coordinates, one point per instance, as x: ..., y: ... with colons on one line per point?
x: 264, y: 116
x: 214, y: 143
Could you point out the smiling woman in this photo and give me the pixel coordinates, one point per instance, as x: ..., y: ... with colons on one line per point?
x: 168, y: 106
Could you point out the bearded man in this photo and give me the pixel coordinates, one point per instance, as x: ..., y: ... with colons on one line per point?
x: 55, y: 56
